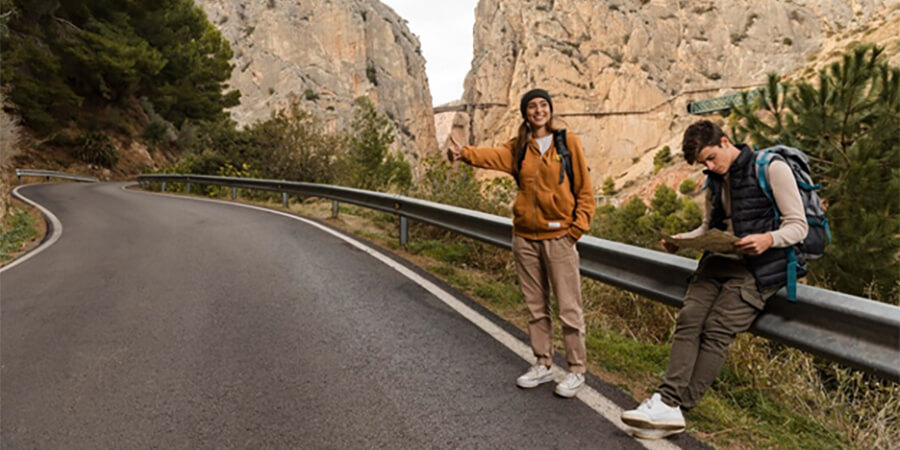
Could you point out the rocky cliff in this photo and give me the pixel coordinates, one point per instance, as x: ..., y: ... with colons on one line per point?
x: 325, y: 54
x: 622, y: 71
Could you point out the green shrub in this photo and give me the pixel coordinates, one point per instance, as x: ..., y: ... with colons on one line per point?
x: 370, y: 163
x: 458, y: 185
x: 310, y: 95
x: 97, y: 148
x: 635, y: 223
x: 371, y: 74
x: 661, y: 159
x: 188, y: 138
x: 156, y: 131
x: 609, y: 186
x: 687, y: 186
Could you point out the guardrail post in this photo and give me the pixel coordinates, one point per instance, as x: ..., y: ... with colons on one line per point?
x: 234, y: 193
x: 47, y: 178
x: 18, y: 179
x: 188, y: 187
x: 404, y: 231
x: 163, y: 187
x: 335, y: 208
x: 284, y: 199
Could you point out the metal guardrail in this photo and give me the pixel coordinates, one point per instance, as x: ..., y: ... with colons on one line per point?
x: 50, y: 174
x: 852, y: 330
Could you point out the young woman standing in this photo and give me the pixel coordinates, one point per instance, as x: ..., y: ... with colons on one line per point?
x: 553, y: 208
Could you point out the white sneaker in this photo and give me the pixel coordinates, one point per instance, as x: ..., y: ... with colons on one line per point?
x: 654, y: 414
x: 645, y: 433
x: 570, y: 385
x: 535, y: 376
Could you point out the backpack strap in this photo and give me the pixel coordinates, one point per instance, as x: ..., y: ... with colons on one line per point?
x: 792, y: 274
x: 827, y: 229
x: 566, y: 169
x: 763, y: 159
x: 559, y: 138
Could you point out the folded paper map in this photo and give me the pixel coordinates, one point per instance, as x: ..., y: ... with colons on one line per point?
x: 713, y: 240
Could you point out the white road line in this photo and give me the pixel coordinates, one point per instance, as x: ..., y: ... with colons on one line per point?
x: 57, y: 232
x: 595, y: 400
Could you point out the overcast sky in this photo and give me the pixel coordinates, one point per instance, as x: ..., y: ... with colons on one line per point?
x: 445, y: 31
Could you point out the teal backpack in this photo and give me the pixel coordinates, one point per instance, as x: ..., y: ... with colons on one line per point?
x: 813, y: 246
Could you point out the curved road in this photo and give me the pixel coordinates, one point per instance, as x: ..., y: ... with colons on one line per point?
x: 162, y: 322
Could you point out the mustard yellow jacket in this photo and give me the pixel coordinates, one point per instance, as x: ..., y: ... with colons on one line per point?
x: 544, y: 206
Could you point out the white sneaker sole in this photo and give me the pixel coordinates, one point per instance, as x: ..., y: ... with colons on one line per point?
x: 645, y: 423
x: 566, y: 393
x: 642, y: 433
x: 534, y: 383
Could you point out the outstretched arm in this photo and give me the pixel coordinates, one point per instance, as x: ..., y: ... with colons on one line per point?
x: 496, y: 158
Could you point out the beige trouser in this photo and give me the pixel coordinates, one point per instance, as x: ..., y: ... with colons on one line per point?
x: 540, y: 265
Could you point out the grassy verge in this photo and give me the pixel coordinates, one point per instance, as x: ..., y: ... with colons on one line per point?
x: 19, y: 228
x: 767, y: 396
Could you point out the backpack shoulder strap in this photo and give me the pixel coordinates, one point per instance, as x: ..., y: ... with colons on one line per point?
x: 562, y: 149
x: 566, y: 169
x: 559, y: 138
x: 763, y: 159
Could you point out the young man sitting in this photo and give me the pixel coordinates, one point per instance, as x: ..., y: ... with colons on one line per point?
x: 727, y: 291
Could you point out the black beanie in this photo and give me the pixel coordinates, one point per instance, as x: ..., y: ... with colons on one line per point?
x: 531, y: 95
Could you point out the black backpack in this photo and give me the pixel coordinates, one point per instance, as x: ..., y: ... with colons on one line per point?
x: 565, y: 169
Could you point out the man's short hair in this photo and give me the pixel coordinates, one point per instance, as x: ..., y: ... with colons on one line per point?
x: 700, y: 134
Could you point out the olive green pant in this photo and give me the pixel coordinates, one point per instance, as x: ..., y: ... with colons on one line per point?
x: 721, y: 301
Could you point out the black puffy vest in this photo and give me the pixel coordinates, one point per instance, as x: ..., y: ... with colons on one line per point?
x: 751, y: 212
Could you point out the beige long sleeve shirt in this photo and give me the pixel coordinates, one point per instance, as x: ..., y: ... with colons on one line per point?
x: 793, y: 227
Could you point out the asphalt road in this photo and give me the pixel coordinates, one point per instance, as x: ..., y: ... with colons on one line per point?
x: 159, y: 322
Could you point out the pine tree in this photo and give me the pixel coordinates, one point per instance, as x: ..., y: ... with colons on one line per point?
x: 370, y: 163
x: 63, y: 61
x: 609, y: 186
x: 847, y: 124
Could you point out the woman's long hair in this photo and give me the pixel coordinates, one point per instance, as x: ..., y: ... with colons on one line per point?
x: 525, y: 134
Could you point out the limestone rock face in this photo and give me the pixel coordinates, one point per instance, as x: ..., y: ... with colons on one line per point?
x: 326, y: 54
x: 621, y: 72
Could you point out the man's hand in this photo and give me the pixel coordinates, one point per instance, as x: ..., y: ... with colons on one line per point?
x: 454, y: 150
x: 755, y: 244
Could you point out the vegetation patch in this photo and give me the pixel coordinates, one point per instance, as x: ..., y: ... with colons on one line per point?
x: 97, y: 148
x: 18, y: 228
x: 687, y: 186
x: 662, y: 158
x: 847, y: 124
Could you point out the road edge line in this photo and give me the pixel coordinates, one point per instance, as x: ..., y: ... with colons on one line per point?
x: 55, y: 225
